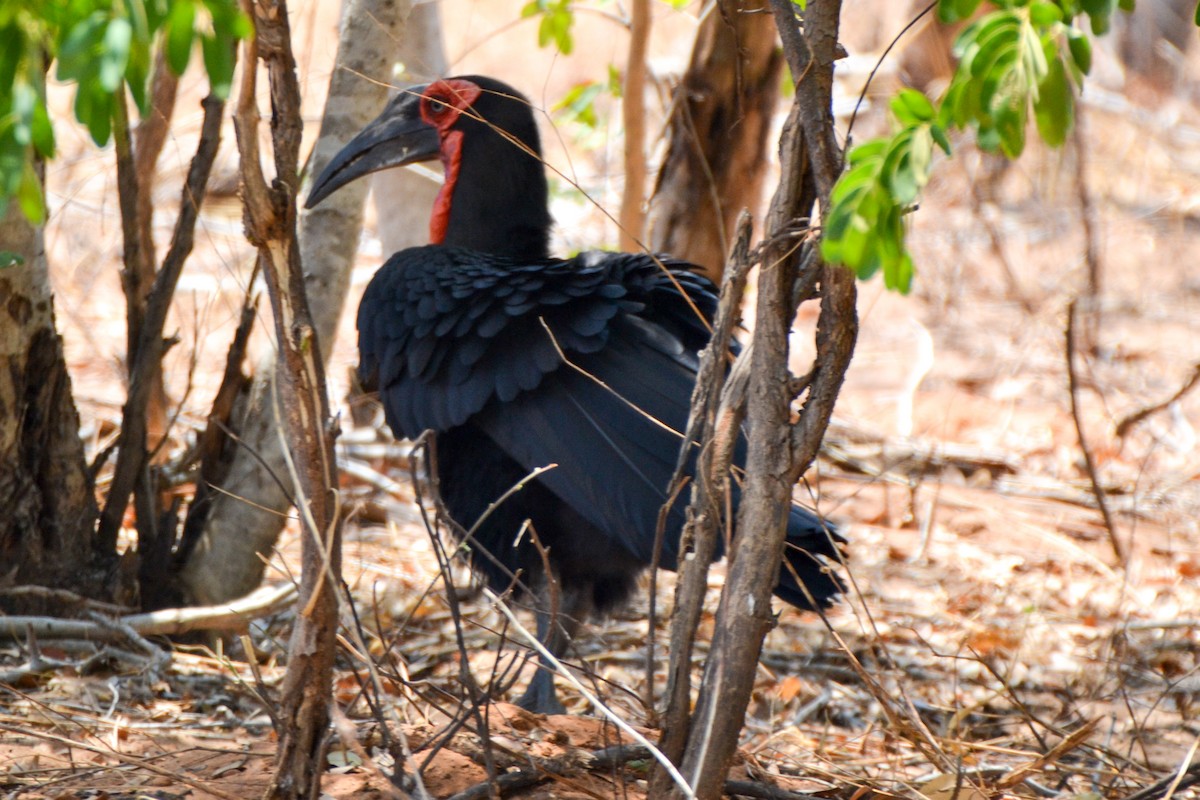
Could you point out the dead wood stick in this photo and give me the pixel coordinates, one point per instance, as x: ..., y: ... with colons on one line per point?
x: 167, y: 622
x: 859, y: 449
x: 607, y: 759
x: 1133, y: 419
x: 1072, y: 741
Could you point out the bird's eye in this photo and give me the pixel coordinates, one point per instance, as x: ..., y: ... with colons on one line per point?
x: 437, y: 107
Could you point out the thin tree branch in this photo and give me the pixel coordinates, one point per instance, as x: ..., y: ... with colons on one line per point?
x: 1130, y: 420
x: 705, y: 517
x: 633, y: 110
x: 270, y: 222
x: 778, y: 452
x: 132, y: 441
x: 1088, y: 460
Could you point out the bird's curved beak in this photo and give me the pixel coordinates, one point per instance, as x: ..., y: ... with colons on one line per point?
x: 396, y: 137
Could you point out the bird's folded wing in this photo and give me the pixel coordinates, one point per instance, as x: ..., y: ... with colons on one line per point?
x: 612, y: 422
x: 444, y: 331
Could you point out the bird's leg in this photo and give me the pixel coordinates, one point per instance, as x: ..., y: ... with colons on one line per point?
x: 555, y: 632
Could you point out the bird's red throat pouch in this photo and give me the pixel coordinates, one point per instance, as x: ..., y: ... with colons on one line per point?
x: 457, y: 96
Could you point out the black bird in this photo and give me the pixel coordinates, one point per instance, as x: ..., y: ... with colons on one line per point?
x: 518, y: 360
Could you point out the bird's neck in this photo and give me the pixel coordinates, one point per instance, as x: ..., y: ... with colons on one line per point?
x: 494, y: 199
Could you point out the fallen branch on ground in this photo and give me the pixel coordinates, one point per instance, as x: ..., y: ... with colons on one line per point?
x: 167, y: 622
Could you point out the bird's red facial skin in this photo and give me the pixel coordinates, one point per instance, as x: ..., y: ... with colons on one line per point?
x: 442, y: 105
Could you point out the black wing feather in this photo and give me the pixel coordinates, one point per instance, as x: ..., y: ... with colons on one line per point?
x: 587, y: 363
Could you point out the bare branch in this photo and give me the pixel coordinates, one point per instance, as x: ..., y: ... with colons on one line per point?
x: 1088, y: 460
x: 633, y: 110
x: 132, y: 456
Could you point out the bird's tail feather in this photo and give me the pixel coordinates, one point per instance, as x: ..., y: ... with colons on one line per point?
x: 805, y: 580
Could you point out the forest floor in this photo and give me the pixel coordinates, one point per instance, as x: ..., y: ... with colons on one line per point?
x: 991, y: 645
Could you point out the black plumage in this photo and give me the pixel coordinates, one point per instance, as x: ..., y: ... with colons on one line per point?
x: 518, y: 360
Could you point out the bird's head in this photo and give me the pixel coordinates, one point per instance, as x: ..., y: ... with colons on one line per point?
x: 484, y: 132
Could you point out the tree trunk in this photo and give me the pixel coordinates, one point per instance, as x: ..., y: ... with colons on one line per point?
x: 48, y: 523
x: 245, y: 520
x: 778, y: 450
x: 716, y: 156
x: 270, y: 218
x: 403, y: 197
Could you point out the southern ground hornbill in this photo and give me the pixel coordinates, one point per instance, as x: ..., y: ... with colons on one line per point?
x: 518, y: 360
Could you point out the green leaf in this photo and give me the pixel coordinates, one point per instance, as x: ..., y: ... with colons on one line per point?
x: 93, y: 107
x: 1010, y: 125
x: 557, y: 19
x: 864, y: 228
x: 955, y: 10
x: 1100, y: 14
x: 1044, y: 14
x: 42, y: 132
x: 579, y: 104
x: 939, y: 136
x: 912, y: 107
x: 24, y: 100
x: 137, y: 75
x: 240, y: 26
x: 115, y: 54
x: 1081, y: 48
x: 80, y: 47
x: 229, y: 22
x: 30, y: 197
x: 899, y: 276
x: 921, y: 157
x: 560, y: 20
x: 12, y: 49
x: 1054, y: 110
x: 988, y: 139
x: 615, y: 83
x: 989, y: 31
x: 12, y: 165
x: 180, y: 34
x: 875, y: 148
x: 218, y: 62
x: 856, y: 242
x: 896, y: 175
x: 952, y: 114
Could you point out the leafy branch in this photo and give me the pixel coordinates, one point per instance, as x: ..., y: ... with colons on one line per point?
x: 103, y: 48
x: 1026, y: 57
